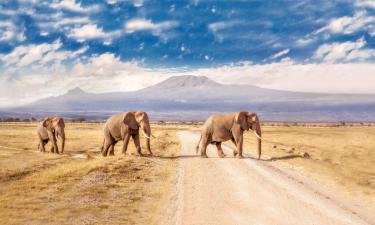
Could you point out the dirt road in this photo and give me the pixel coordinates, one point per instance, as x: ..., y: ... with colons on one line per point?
x: 234, y: 191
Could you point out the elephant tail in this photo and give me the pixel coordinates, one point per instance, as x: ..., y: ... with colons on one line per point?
x: 197, y: 147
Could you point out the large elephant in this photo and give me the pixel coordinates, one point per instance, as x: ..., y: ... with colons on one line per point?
x: 219, y: 128
x: 50, y: 129
x: 122, y: 127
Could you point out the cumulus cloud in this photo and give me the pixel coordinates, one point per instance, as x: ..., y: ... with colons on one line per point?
x: 348, y: 25
x: 138, y: 3
x: 338, y: 78
x: 136, y: 25
x: 345, y: 51
x: 91, y: 31
x: 365, y: 4
x: 23, y: 56
x: 107, y: 73
x: 72, y: 5
x: 10, y: 32
x: 102, y: 73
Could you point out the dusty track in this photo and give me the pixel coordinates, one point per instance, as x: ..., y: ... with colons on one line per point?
x: 234, y: 191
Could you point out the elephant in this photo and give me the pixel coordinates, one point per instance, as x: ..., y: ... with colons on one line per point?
x: 121, y: 127
x: 219, y: 128
x: 49, y: 130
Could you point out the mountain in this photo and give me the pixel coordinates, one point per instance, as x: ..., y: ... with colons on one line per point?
x: 194, y: 98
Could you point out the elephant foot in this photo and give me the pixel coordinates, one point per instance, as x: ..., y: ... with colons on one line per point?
x: 235, y: 153
x: 222, y: 155
x: 240, y: 156
x: 204, y: 156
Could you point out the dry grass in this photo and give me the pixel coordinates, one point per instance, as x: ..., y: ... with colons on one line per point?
x: 44, y: 188
x: 341, y: 157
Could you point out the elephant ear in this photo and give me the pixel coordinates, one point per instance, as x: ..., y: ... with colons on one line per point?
x: 48, y: 123
x: 241, y: 119
x: 253, y: 117
x: 139, y: 116
x: 58, y: 122
x: 129, y: 119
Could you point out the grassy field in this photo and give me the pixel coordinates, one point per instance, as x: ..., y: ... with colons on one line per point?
x: 340, y: 157
x: 81, y: 187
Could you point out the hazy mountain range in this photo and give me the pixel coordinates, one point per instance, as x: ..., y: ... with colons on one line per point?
x: 194, y: 98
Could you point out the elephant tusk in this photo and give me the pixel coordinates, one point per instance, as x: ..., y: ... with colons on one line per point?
x: 144, y: 134
x: 259, y: 137
x: 153, y: 136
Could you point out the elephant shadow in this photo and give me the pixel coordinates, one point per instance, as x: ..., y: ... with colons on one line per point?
x: 176, y: 156
x: 285, y: 157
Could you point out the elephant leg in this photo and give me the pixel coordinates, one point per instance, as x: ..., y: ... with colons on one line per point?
x: 239, y: 147
x: 220, y: 150
x: 108, y: 141
x: 126, y: 142
x: 107, y: 145
x: 41, y: 144
x: 137, y: 143
x: 235, y: 152
x: 204, y: 147
x: 112, y: 149
x: 56, y: 150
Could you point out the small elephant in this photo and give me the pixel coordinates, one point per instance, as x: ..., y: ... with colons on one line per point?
x: 122, y: 127
x: 219, y: 128
x: 49, y: 130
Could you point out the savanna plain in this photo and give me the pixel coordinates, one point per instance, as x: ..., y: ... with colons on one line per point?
x: 82, y: 187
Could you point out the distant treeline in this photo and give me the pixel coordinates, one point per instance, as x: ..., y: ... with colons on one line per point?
x: 11, y: 119
x: 32, y: 119
x: 164, y: 122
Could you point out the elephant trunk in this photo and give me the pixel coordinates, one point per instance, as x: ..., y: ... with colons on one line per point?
x: 52, y: 138
x: 61, y: 134
x: 259, y: 137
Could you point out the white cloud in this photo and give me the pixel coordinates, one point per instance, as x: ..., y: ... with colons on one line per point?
x: 107, y: 73
x: 365, y: 4
x: 346, y: 51
x: 280, y: 53
x: 348, y: 25
x: 60, y: 22
x: 111, y: 2
x: 72, y: 5
x: 138, y: 3
x: 23, y: 56
x: 10, y: 32
x: 91, y: 31
x: 338, y: 78
x: 88, y: 31
x: 216, y: 27
x: 102, y: 73
x: 136, y: 25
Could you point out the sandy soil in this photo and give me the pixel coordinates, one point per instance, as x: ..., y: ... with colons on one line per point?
x: 233, y: 191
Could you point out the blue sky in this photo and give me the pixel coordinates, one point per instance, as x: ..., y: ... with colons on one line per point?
x: 42, y: 42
